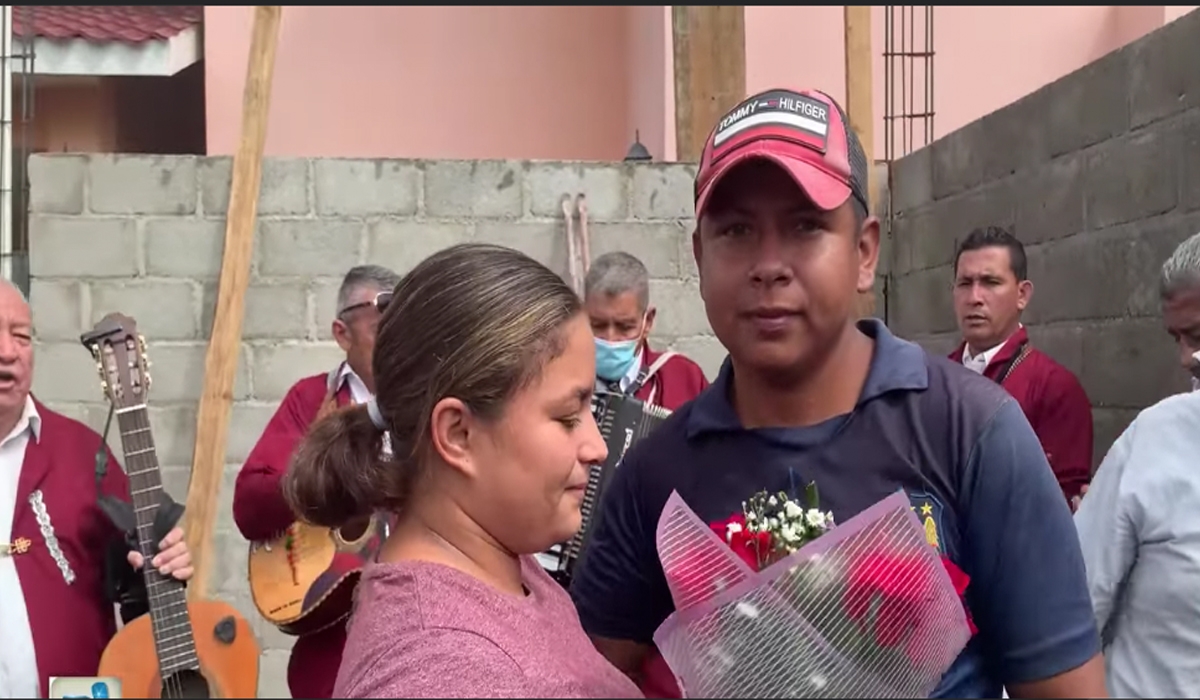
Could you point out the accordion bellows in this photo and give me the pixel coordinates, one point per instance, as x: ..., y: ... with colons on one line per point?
x: 623, y: 422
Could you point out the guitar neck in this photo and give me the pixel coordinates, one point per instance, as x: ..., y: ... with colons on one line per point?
x: 173, y: 639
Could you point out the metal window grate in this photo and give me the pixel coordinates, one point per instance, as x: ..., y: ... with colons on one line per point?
x: 907, y: 79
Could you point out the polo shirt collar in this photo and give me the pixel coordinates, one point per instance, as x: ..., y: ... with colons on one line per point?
x: 896, y: 365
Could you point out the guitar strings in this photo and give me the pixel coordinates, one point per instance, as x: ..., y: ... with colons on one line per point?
x: 146, y: 484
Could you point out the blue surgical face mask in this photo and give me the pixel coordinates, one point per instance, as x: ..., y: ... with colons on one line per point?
x: 613, y: 359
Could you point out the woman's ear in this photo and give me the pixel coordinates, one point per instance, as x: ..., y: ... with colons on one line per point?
x: 450, y: 432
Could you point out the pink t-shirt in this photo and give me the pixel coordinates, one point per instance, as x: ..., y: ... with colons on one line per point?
x: 423, y: 630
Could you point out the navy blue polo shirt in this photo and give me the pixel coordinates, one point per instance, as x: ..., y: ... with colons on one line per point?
x: 956, y: 442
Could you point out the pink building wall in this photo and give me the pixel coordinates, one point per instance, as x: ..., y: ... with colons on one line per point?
x: 575, y: 82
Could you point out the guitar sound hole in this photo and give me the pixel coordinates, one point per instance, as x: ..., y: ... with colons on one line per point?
x: 185, y: 684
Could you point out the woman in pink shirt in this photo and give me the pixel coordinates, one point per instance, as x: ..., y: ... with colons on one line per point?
x: 484, y: 367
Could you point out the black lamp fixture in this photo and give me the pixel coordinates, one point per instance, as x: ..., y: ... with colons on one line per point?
x: 637, y: 152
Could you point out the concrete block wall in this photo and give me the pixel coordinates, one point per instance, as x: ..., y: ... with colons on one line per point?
x: 1099, y: 175
x: 143, y: 235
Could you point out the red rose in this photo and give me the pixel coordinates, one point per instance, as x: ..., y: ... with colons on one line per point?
x: 752, y: 547
x: 900, y: 584
x: 959, y: 578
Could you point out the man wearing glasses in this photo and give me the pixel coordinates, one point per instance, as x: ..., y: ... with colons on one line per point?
x: 259, y: 509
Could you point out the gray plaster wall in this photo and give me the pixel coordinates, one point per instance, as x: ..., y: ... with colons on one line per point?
x: 1098, y: 174
x: 143, y: 235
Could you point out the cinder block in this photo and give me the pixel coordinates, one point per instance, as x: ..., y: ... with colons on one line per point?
x: 283, y: 192
x: 680, y: 310
x: 1163, y: 77
x: 1063, y: 343
x: 1151, y: 242
x: 939, y: 344
x: 306, y: 247
x: 1189, y: 153
x: 57, y: 308
x: 483, y: 188
x: 957, y: 166
x: 175, y: 482
x: 65, y: 372
x: 400, y: 245
x: 174, y: 429
x: 912, y: 181
x: 994, y: 143
x: 323, y: 292
x: 922, y: 303
x: 56, y: 183
x: 1084, y: 108
x: 179, y: 247
x: 246, y: 427
x: 1049, y: 201
x: 276, y: 310
x: 1061, y: 269
x: 545, y: 242
x: 704, y: 350
x: 164, y: 310
x: 276, y: 367
x: 69, y: 247
x: 1130, y: 363
x: 1132, y: 178
x: 602, y: 184
x: 366, y: 187
x: 663, y: 190
x: 659, y: 246
x: 178, y: 372
x: 125, y: 184
x: 1107, y: 426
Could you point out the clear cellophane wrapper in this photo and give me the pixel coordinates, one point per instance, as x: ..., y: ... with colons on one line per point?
x: 866, y: 610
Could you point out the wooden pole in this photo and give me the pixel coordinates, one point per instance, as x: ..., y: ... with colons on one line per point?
x: 859, y: 110
x: 220, y: 362
x: 710, y: 71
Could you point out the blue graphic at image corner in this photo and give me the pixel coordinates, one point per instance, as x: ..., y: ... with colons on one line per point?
x: 99, y: 690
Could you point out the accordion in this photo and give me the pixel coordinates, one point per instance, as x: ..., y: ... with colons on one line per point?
x: 623, y: 421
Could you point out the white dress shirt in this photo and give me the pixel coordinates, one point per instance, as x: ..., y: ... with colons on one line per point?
x: 1139, y: 527
x: 18, y: 663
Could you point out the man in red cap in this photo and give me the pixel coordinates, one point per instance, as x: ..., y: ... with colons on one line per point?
x: 784, y: 243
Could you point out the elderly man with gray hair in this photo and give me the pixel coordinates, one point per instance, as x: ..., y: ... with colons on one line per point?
x: 617, y: 300
x: 259, y: 508
x: 1139, y: 525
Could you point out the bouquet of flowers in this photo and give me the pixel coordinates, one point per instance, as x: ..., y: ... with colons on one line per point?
x: 778, y: 602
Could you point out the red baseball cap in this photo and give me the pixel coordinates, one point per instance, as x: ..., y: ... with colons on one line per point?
x: 804, y: 132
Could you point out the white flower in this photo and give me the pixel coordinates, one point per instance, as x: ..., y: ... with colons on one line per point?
x: 815, y: 519
x: 772, y: 501
x: 751, y: 516
x: 747, y: 609
x: 730, y: 530
x: 792, y: 510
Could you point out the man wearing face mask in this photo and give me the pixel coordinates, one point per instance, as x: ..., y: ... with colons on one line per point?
x: 991, y: 290
x: 617, y: 299
x: 1139, y: 525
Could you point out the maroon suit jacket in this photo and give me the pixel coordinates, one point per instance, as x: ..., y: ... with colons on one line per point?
x: 675, y: 383
x: 72, y: 622
x: 1055, y: 404
x: 261, y: 513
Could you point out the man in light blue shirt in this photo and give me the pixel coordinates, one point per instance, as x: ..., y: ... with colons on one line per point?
x: 1139, y: 526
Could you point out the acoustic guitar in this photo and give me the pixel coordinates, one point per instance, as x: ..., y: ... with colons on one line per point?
x: 202, y: 649
x: 303, y: 581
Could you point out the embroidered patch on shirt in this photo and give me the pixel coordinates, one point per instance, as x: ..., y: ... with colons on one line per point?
x: 47, y: 528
